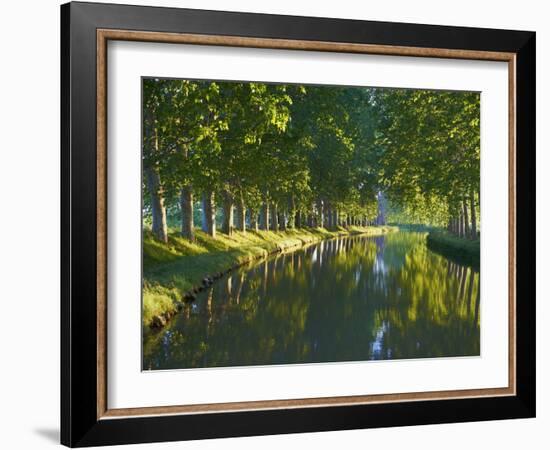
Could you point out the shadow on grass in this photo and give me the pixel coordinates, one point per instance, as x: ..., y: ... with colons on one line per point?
x: 459, y: 250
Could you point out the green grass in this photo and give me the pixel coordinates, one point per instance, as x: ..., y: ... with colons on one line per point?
x: 415, y: 227
x: 171, y: 269
x: 158, y: 301
x: 460, y: 250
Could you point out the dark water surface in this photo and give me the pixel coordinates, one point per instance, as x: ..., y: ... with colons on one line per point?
x: 347, y: 299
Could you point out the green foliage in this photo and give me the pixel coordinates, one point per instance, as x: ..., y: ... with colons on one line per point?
x: 429, y: 151
x: 297, y: 146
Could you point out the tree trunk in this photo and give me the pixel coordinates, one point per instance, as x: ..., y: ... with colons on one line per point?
x: 264, y: 217
x: 313, y: 218
x: 209, y: 214
x: 253, y: 219
x: 328, y: 216
x: 227, y: 224
x: 298, y: 219
x: 241, y: 214
x: 473, y: 214
x: 159, y: 226
x: 291, y: 213
x: 160, y: 229
x: 282, y: 221
x: 274, y: 218
x: 320, y: 214
x: 466, y: 220
x: 381, y: 217
x: 186, y: 204
x: 292, y: 219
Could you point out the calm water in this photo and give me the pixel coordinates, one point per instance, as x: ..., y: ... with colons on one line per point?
x: 348, y: 299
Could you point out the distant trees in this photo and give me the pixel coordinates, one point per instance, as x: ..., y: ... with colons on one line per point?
x: 276, y: 156
x: 429, y: 159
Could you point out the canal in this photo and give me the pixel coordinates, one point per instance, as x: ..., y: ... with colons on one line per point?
x: 353, y: 298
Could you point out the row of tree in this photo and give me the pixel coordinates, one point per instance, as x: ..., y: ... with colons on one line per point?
x: 430, y: 143
x: 277, y: 156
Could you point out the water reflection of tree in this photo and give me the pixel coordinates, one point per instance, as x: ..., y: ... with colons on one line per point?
x: 248, y: 325
x: 329, y: 303
x: 431, y: 309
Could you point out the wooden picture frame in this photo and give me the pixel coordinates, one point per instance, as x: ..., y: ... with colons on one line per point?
x: 85, y: 417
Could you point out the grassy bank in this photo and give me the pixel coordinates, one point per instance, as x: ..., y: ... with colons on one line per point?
x: 460, y: 250
x: 415, y: 227
x: 172, y: 270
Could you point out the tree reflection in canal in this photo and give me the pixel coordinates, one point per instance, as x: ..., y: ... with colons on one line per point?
x: 349, y: 299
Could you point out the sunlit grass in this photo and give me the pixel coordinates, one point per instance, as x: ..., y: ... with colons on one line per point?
x: 157, y: 301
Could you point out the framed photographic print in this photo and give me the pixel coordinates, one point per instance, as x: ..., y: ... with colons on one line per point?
x: 277, y: 224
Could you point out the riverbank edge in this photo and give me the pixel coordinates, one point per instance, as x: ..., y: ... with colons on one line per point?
x: 162, y: 301
x: 460, y: 250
